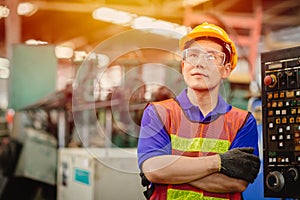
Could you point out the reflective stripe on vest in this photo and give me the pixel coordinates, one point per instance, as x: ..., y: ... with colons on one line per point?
x: 174, y: 194
x: 199, y: 144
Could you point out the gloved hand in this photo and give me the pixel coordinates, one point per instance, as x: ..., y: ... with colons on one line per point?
x: 240, y: 163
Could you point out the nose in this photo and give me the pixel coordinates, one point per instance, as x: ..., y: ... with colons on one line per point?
x: 199, y: 63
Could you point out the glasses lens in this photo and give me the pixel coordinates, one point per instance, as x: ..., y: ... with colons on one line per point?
x: 196, y: 55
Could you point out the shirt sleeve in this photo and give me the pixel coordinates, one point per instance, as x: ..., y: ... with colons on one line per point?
x: 153, y: 138
x: 247, y: 136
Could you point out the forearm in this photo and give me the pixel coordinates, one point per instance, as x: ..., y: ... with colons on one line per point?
x: 172, y: 169
x: 220, y: 183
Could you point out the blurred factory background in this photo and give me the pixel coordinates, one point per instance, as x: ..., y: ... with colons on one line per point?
x: 69, y: 123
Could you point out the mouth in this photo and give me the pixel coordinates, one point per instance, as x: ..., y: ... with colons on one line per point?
x: 198, y: 74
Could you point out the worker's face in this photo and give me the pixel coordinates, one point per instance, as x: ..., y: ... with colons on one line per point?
x: 203, y: 65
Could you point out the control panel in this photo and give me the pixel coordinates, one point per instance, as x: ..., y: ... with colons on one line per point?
x: 281, y: 122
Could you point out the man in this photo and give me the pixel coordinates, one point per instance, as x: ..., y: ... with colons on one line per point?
x: 191, y: 147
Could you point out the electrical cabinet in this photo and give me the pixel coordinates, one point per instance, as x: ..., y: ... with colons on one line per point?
x: 281, y: 122
x: 98, y: 174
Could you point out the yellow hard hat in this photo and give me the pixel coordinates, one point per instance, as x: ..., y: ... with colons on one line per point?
x: 207, y: 30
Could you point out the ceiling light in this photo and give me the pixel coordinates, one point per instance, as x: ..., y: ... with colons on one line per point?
x: 62, y: 52
x: 4, y: 11
x: 35, y: 42
x: 26, y: 9
x: 113, y: 16
x: 140, y: 22
x: 193, y: 2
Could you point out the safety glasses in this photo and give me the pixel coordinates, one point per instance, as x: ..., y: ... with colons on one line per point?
x: 196, y: 55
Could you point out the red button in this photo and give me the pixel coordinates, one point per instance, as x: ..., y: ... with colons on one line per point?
x: 268, y: 80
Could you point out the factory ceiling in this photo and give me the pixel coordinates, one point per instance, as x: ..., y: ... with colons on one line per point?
x: 58, y: 21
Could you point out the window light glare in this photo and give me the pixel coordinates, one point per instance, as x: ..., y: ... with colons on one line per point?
x: 26, y: 9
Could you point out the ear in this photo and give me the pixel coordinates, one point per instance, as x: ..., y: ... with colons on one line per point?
x: 226, y: 70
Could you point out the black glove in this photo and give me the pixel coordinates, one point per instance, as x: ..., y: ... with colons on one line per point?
x: 240, y: 163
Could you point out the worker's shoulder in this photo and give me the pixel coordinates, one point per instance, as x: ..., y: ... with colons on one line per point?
x: 167, y: 104
x: 238, y: 111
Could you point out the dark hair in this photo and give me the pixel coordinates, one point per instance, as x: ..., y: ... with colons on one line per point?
x: 226, y: 48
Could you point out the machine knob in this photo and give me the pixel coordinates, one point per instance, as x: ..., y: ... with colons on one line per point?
x: 270, y: 80
x: 292, y: 174
x: 275, y: 181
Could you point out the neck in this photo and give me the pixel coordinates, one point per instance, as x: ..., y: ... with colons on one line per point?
x: 206, y: 100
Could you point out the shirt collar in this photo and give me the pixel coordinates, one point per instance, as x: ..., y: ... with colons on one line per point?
x: 221, y: 108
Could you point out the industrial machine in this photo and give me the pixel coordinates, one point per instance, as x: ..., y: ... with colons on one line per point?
x: 281, y: 122
x: 98, y: 174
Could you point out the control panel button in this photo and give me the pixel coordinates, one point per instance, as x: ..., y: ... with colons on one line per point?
x: 292, y: 174
x: 277, y: 120
x: 293, y: 103
x: 270, y: 80
x: 290, y: 94
x: 275, y: 181
x: 270, y: 95
x: 284, y: 120
x: 283, y: 112
x: 281, y: 95
x: 270, y: 113
x: 280, y: 144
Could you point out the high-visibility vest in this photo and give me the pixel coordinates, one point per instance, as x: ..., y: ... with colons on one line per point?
x: 194, y: 139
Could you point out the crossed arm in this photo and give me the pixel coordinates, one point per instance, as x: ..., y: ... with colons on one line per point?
x: 200, y: 172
